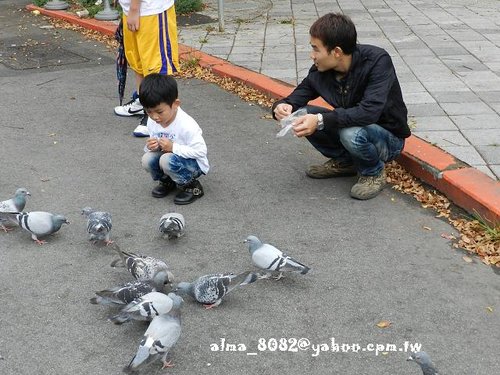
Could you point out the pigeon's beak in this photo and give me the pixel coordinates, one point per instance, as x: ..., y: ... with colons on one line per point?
x: 245, y: 241
x: 66, y: 222
x: 410, y: 358
x: 28, y: 193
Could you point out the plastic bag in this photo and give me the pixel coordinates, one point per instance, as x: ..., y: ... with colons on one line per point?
x: 287, y: 122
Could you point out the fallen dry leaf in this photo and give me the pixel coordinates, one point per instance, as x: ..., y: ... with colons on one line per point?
x: 467, y: 259
x: 489, y: 309
x: 427, y: 228
x: 448, y: 236
x: 383, y: 324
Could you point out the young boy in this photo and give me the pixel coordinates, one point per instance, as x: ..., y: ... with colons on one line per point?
x: 176, y: 153
x: 150, y: 41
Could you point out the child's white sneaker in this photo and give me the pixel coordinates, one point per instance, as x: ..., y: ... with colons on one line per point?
x: 132, y: 108
x: 142, y: 130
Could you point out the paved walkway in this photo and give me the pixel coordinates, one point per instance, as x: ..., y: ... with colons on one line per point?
x: 447, y: 55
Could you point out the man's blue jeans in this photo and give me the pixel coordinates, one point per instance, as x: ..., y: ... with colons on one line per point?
x: 367, y: 147
x: 181, y: 170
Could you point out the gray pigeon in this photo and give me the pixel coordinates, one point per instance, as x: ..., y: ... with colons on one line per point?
x: 98, y: 225
x: 144, y: 267
x: 161, y: 335
x: 425, y: 363
x: 38, y: 223
x: 145, y: 308
x: 269, y: 258
x: 210, y: 289
x: 13, y: 205
x: 126, y: 293
x: 172, y: 225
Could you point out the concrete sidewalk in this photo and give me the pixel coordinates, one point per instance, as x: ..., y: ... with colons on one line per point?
x: 382, y: 259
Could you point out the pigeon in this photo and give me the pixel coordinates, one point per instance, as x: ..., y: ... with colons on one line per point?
x: 145, y: 268
x: 425, y: 363
x: 38, y: 223
x: 161, y: 335
x: 172, y: 225
x: 145, y: 308
x: 269, y: 258
x: 98, y: 225
x: 210, y: 289
x: 13, y: 205
x: 126, y: 293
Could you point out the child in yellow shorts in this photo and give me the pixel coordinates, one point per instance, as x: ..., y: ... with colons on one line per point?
x: 150, y: 41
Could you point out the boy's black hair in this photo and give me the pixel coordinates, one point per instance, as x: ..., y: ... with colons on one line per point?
x: 335, y: 30
x: 156, y: 89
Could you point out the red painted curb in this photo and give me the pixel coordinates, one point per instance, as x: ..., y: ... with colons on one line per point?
x: 467, y: 187
x: 104, y: 27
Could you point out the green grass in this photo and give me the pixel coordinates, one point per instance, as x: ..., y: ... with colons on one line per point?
x: 40, y: 3
x: 492, y: 229
x: 188, y: 6
x: 191, y: 62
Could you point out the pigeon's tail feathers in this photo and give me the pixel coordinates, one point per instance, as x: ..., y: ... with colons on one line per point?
x: 250, y: 278
x: 293, y: 265
x: 143, y: 355
x: 305, y: 270
x: 95, y: 300
x: 100, y: 300
x: 10, y: 216
x: 122, y: 259
x: 119, y: 318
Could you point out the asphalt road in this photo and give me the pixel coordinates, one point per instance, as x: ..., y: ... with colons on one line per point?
x: 371, y: 261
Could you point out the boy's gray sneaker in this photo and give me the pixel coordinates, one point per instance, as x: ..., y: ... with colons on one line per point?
x: 132, y: 108
x: 369, y: 187
x: 331, y: 169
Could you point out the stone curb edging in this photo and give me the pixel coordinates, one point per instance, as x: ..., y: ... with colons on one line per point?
x: 467, y: 187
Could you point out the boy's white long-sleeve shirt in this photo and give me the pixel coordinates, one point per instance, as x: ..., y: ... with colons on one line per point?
x: 148, y: 7
x: 186, y: 135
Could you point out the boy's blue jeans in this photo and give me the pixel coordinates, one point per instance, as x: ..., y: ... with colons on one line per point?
x: 367, y: 147
x: 182, y: 171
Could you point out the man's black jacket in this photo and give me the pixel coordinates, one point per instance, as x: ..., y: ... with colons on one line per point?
x: 368, y: 94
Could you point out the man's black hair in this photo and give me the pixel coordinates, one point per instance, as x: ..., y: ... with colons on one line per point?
x: 156, y: 89
x: 335, y: 30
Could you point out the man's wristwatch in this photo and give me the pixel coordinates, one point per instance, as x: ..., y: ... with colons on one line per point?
x: 321, y: 124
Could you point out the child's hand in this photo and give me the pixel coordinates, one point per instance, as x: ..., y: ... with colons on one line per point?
x: 152, y: 144
x: 165, y: 144
x: 133, y: 19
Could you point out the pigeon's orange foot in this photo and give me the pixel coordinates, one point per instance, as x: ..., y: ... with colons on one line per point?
x: 208, y: 307
x: 167, y: 364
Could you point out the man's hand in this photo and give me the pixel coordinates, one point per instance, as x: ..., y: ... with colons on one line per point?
x: 282, y: 110
x: 305, y: 125
x: 165, y: 144
x: 133, y: 19
x: 152, y: 144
